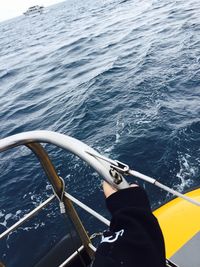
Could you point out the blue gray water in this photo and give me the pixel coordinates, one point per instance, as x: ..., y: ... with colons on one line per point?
x: 122, y: 76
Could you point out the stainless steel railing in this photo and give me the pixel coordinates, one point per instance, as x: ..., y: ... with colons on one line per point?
x: 31, y: 139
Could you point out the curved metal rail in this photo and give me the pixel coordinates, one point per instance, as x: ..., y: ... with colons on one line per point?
x: 68, y: 143
x: 102, y: 165
x: 32, y: 141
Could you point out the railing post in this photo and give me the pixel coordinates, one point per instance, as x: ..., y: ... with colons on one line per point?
x: 57, y: 184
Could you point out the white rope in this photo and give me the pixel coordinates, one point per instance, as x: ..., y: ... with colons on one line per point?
x: 27, y: 216
x: 75, y: 254
x: 92, y: 247
x: 162, y: 186
x: 88, y: 209
x: 71, y: 257
x: 124, y: 169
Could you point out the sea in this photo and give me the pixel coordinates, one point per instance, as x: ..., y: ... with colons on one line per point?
x: 121, y: 76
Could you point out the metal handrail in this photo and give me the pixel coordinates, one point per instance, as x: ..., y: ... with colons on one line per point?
x: 86, y: 153
x: 44, y: 204
x: 26, y: 217
x: 73, y: 145
x: 30, y: 139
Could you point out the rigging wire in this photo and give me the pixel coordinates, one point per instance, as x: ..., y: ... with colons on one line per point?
x: 124, y: 169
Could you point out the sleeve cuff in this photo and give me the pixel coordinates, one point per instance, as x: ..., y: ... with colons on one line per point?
x: 132, y: 197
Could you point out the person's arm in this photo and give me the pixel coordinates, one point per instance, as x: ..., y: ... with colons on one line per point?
x: 134, y: 238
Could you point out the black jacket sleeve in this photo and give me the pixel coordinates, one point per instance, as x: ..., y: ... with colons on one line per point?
x: 134, y: 238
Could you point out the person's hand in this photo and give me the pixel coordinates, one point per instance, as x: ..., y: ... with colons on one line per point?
x: 109, y: 190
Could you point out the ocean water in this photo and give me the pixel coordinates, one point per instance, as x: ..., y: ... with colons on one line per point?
x: 122, y: 76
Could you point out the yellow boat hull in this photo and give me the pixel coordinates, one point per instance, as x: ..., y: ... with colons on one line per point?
x: 179, y: 221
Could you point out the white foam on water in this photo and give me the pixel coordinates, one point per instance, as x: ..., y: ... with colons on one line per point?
x: 120, y: 125
x: 108, y: 150
x: 10, y: 218
x: 1, y: 214
x: 6, y: 218
x: 187, y: 171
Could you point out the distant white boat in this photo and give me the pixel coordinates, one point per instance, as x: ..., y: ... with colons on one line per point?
x: 34, y: 10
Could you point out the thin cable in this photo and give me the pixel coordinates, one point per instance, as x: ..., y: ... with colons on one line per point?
x: 88, y: 209
x: 162, y: 186
x: 125, y: 170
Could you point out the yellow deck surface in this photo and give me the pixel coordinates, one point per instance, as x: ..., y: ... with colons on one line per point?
x: 179, y: 221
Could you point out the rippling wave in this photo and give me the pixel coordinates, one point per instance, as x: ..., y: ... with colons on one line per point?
x: 122, y: 76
